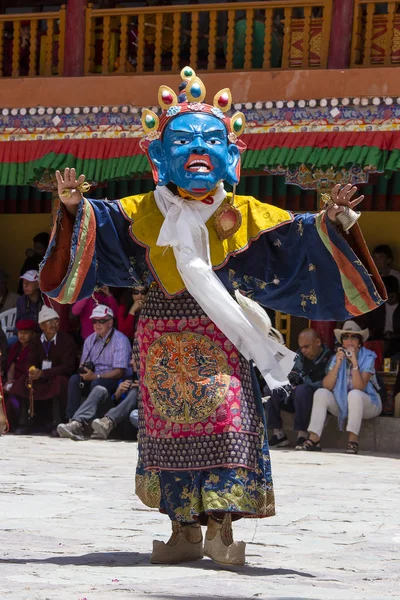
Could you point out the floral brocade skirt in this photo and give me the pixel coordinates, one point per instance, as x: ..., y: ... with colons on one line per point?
x: 202, y: 435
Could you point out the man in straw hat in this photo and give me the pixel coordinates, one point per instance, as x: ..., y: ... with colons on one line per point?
x: 209, y: 258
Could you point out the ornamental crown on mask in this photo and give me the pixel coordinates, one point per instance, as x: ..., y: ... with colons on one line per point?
x: 190, y: 105
x: 189, y: 102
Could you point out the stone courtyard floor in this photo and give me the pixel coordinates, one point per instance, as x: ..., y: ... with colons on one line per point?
x: 72, y: 529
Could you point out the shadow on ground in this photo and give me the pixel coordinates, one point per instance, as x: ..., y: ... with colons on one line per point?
x: 260, y: 596
x: 131, y: 559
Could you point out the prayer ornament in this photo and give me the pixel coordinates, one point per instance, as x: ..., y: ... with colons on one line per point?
x: 227, y: 219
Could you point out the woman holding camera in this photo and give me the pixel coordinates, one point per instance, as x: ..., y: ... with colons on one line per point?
x: 350, y: 389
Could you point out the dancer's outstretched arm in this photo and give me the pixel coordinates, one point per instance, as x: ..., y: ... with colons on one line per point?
x: 90, y: 245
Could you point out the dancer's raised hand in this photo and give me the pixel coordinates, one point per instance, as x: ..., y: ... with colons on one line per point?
x: 341, y: 197
x: 68, y: 190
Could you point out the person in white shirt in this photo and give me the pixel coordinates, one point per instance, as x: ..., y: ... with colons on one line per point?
x: 384, y: 322
x: 383, y: 258
x: 7, y: 299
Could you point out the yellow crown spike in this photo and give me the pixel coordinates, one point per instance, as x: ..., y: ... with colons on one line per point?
x: 195, y: 90
x: 187, y: 73
x: 167, y: 97
x: 223, y: 100
x: 150, y: 123
x: 238, y: 123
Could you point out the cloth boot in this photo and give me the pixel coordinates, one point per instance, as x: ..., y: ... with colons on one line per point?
x: 185, y: 544
x: 219, y: 544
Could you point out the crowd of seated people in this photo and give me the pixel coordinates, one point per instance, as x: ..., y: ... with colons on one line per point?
x: 343, y: 383
x: 84, y: 382
x: 83, y: 372
x: 47, y: 384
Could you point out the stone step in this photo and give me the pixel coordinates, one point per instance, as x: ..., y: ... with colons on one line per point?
x: 381, y: 434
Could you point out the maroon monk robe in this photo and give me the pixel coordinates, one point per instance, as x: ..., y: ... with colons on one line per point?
x: 54, y: 381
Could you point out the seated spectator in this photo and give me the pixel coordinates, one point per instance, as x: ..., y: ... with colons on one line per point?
x: 32, y: 262
x: 384, y: 321
x: 29, y: 305
x: 53, y: 357
x: 383, y: 258
x: 3, y: 352
x: 84, y: 308
x: 18, y: 364
x: 8, y: 299
x: 306, y: 377
x: 117, y: 407
x: 128, y: 312
x: 105, y: 358
x: 350, y: 389
x: 3, y: 416
x: 396, y: 391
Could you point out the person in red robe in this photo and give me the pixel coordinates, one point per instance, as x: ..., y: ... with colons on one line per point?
x: 18, y: 366
x: 52, y: 360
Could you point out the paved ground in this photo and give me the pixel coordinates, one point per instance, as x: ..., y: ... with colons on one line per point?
x: 72, y: 529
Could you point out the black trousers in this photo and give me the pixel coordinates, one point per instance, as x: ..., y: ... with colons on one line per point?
x: 99, y: 404
x: 75, y: 392
x: 299, y: 402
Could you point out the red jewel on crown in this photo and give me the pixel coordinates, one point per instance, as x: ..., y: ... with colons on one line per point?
x: 223, y: 100
x: 167, y: 97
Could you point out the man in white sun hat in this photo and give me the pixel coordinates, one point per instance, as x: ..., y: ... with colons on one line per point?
x: 29, y: 305
x: 105, y: 357
x: 52, y: 361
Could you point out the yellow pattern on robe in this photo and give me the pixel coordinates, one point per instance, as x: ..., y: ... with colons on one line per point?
x: 147, y: 220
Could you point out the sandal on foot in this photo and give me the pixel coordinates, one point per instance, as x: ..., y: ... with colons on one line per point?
x: 352, y: 448
x: 310, y: 446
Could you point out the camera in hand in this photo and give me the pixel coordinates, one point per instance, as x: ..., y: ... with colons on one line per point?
x: 347, y: 353
x: 87, y: 365
x: 295, y: 378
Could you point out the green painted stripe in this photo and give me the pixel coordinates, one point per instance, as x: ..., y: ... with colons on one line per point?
x: 349, y: 289
x: 111, y: 169
x: 126, y: 167
x: 282, y: 157
x: 72, y: 281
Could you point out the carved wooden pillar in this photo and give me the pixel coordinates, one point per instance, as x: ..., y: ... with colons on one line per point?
x: 341, y: 30
x: 75, y: 38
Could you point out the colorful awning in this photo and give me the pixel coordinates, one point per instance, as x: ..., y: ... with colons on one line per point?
x: 105, y: 159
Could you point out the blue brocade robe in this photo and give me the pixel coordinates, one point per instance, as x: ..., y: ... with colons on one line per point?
x: 218, y: 459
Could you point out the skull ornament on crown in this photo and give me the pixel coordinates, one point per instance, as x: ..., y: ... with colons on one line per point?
x: 193, y: 144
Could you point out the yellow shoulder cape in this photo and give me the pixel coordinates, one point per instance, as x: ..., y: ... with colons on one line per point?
x: 146, y: 218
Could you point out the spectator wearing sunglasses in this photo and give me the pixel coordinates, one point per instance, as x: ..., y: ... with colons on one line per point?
x: 350, y: 388
x: 84, y: 308
x: 128, y: 312
x: 105, y: 358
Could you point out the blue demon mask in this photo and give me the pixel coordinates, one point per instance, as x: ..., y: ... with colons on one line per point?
x: 195, y: 153
x: 193, y: 144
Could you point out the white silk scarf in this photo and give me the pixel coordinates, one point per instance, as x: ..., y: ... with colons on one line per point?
x: 184, y: 229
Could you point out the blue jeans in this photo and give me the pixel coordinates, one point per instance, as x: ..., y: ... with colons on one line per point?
x: 299, y: 402
x: 76, y: 392
x: 100, y: 403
